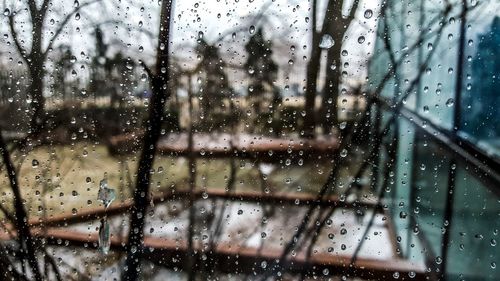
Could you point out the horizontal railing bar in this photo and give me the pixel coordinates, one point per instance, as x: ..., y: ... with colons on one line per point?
x: 298, y: 199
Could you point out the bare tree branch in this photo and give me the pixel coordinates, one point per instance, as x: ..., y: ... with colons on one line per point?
x: 6, y: 263
x: 292, y: 244
x: 21, y: 218
x: 147, y: 69
x: 44, y: 7
x: 161, y: 93
x: 33, y: 9
x: 62, y: 25
x: 15, y: 38
x: 352, y: 13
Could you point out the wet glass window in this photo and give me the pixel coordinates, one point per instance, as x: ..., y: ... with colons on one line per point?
x: 249, y: 140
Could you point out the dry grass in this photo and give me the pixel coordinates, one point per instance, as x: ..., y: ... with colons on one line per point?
x: 67, y: 178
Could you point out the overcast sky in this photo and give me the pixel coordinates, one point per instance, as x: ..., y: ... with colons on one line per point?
x: 131, y: 26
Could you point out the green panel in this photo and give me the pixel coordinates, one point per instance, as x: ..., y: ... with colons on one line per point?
x: 430, y: 186
x: 473, y: 250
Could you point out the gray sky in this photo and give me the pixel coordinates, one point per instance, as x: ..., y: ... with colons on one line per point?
x: 131, y: 26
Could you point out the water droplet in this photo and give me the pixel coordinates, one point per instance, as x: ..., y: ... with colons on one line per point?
x: 6, y: 12
x: 326, y: 42
x: 251, y: 29
x: 104, y: 237
x: 402, y: 215
x: 439, y: 260
x: 361, y: 39
x: 368, y: 14
x: 77, y: 16
x: 35, y: 163
x: 105, y: 195
x: 450, y: 102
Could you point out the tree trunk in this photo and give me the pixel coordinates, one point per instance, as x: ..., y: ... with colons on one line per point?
x: 38, y: 100
x: 36, y: 69
x: 191, y: 255
x: 335, y: 25
x: 332, y: 15
x: 312, y: 78
x: 310, y: 94
x: 26, y: 242
x: 153, y: 130
x: 329, y: 108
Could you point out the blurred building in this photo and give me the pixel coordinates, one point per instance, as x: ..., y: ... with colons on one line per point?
x: 443, y: 191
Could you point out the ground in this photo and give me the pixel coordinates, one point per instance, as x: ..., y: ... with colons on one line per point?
x: 66, y: 178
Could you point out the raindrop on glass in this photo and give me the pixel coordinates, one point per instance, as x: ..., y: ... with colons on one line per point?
x: 326, y: 42
x: 105, y: 195
x: 368, y: 14
x: 104, y: 237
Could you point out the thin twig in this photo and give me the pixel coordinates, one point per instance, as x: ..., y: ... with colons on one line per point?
x: 21, y: 218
